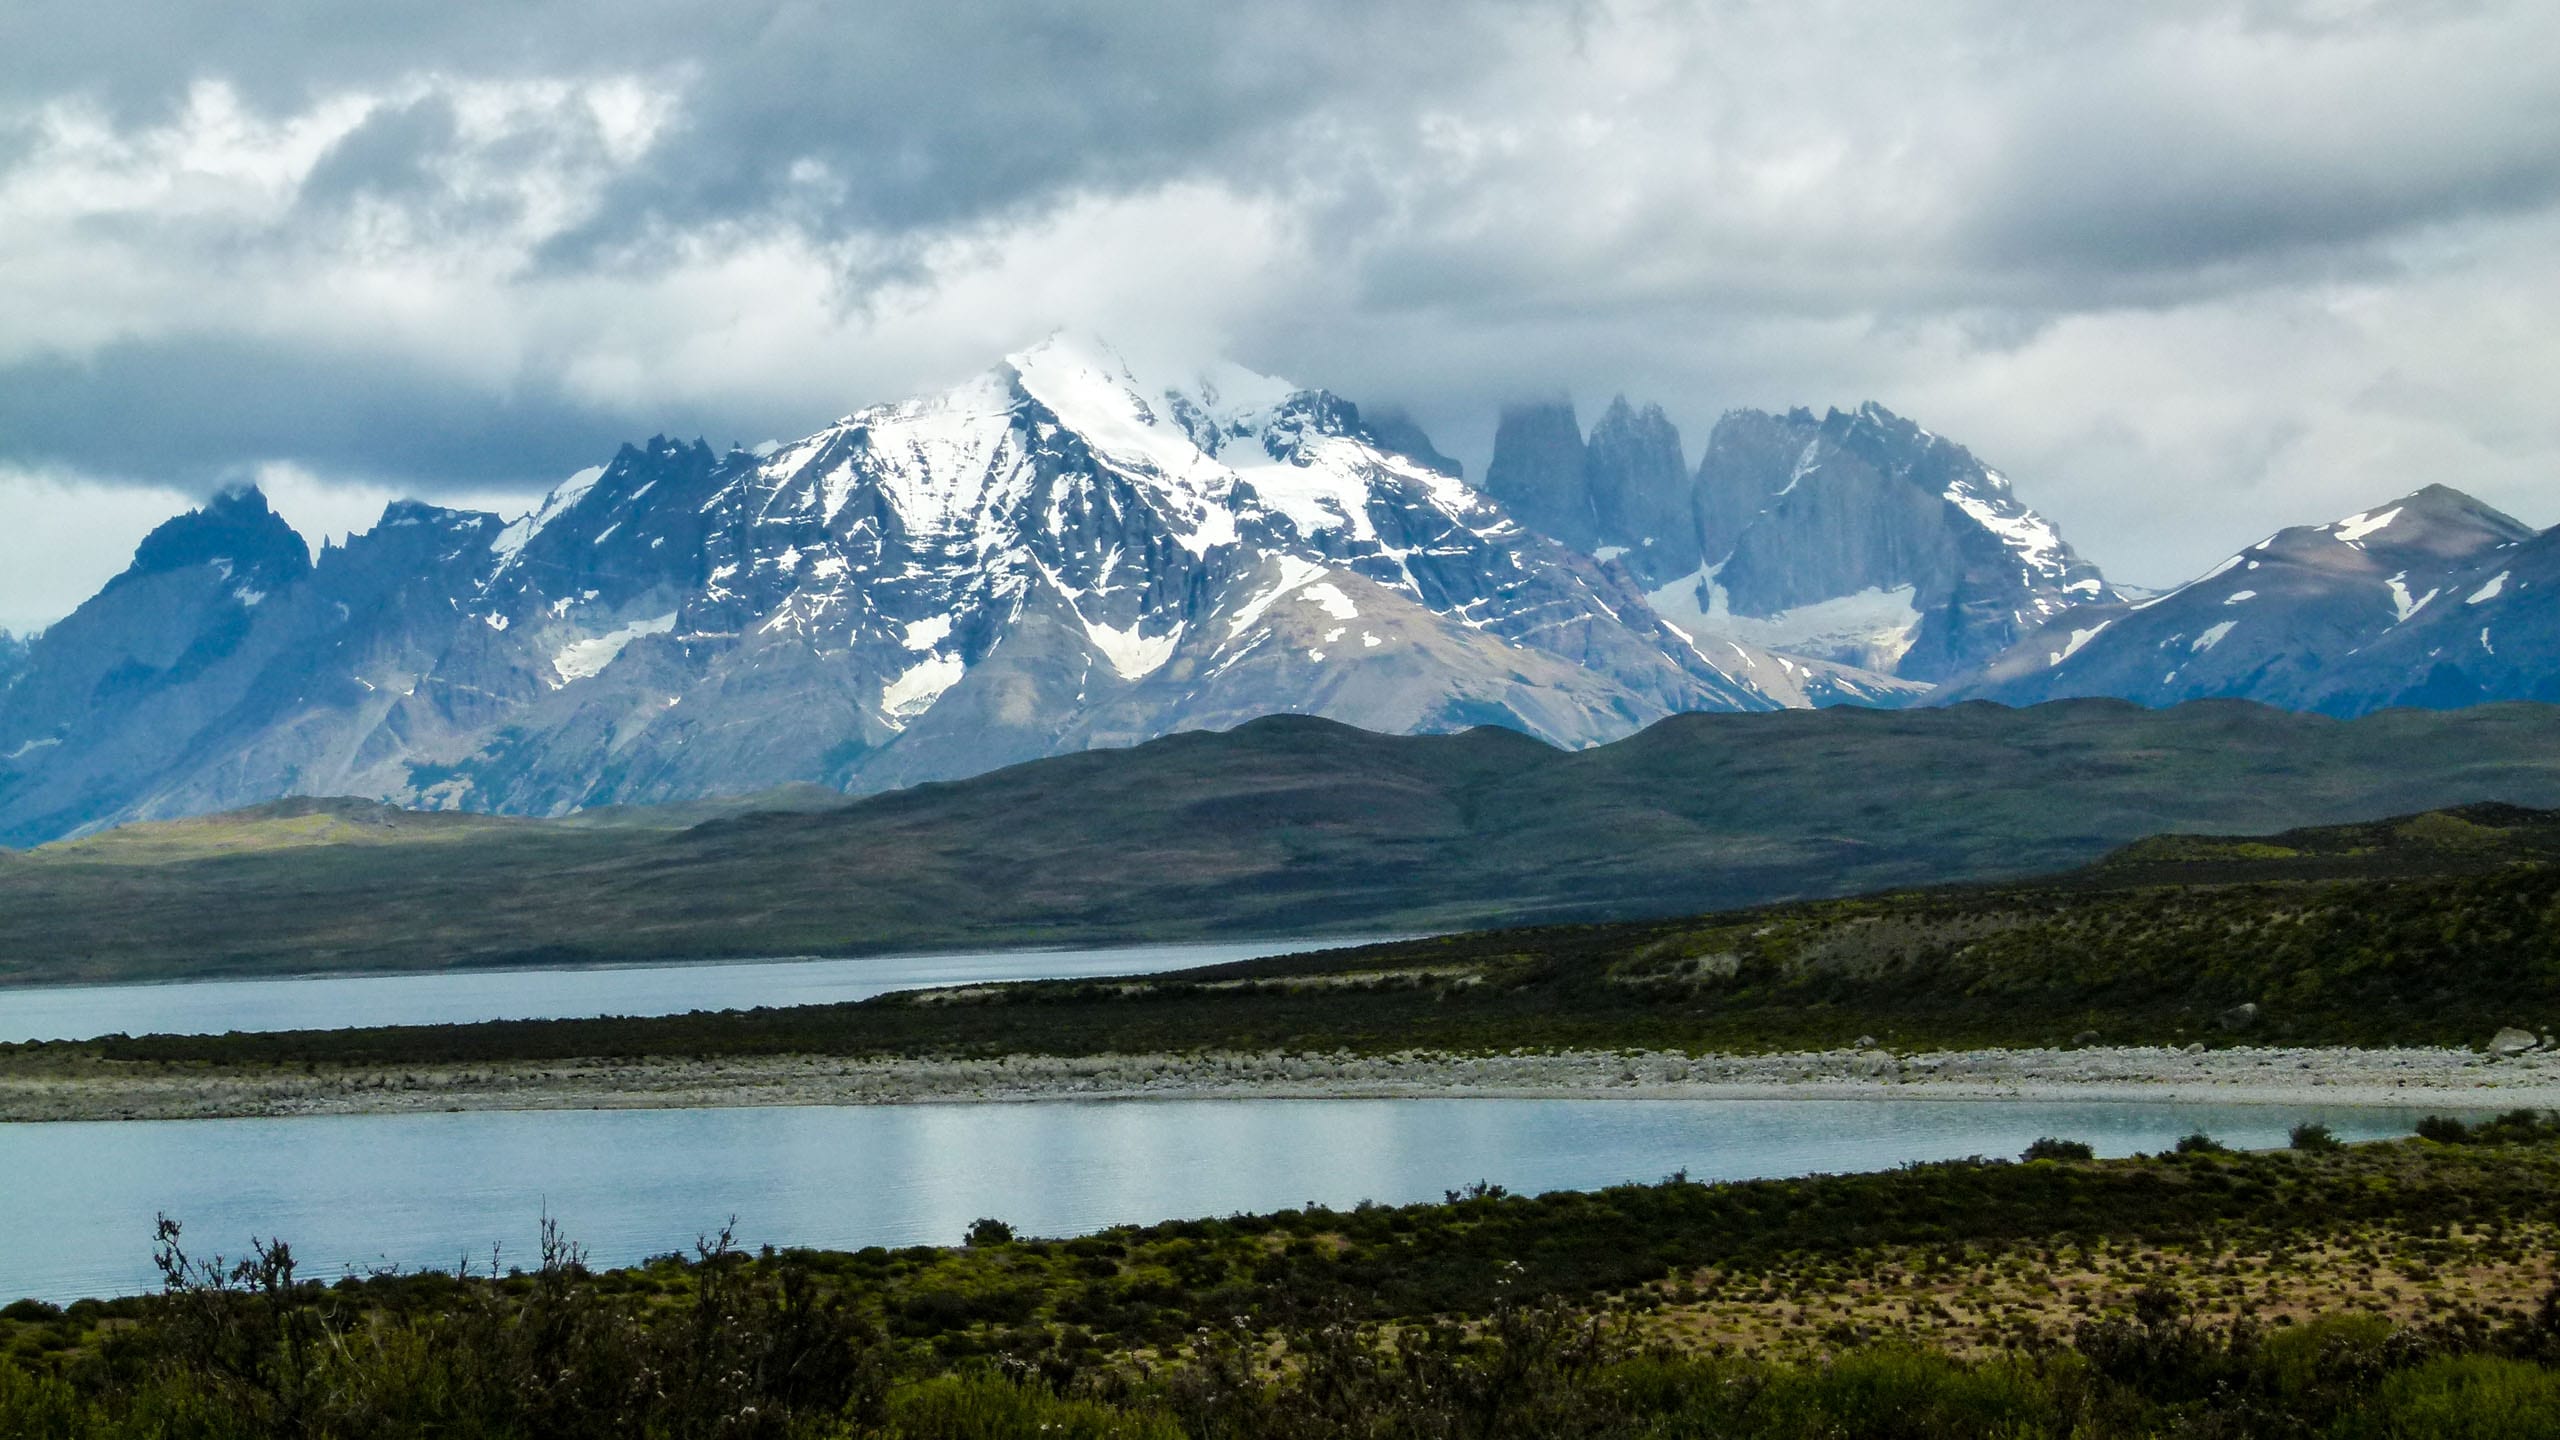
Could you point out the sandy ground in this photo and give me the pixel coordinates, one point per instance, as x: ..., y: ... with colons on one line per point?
x: 2452, y: 1078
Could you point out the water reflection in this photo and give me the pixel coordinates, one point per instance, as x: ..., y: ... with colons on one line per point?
x: 328, y: 1002
x: 77, y: 1200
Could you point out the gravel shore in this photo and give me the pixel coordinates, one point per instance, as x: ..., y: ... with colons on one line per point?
x: 2243, y: 1074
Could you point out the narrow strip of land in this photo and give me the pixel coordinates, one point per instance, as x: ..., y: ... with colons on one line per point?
x: 2445, y: 1077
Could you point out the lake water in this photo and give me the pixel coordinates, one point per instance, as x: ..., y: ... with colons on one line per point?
x: 77, y: 1201
x: 325, y: 1002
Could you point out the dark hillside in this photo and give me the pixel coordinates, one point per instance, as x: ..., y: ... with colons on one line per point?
x: 1285, y: 826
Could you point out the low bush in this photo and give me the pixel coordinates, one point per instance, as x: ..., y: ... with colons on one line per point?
x: 981, y: 1406
x: 2464, y: 1397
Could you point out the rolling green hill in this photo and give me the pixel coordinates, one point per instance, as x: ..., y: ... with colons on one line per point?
x: 1286, y: 826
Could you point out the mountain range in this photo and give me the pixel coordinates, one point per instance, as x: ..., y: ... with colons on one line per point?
x: 1070, y: 552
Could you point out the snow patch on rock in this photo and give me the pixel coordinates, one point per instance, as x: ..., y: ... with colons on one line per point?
x: 1294, y: 572
x: 2081, y: 638
x: 510, y: 542
x: 1133, y: 655
x: 1872, y: 628
x: 2402, y: 604
x: 580, y: 659
x: 2355, y: 527
x: 914, y: 691
x: 926, y: 633
x: 1328, y: 597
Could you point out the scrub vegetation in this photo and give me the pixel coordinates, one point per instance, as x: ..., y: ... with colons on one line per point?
x: 2394, y: 1289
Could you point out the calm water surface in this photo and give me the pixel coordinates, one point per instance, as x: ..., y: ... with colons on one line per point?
x: 77, y: 1201
x: 325, y: 1002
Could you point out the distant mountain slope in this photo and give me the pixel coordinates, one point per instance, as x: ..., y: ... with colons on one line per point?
x: 2491, y: 633
x: 2398, y: 604
x: 1284, y: 826
x: 1057, y: 555
x: 1855, y: 537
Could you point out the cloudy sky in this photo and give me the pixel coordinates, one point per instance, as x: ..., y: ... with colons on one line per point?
x: 2188, y: 271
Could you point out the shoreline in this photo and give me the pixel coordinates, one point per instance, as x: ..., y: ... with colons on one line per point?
x: 472, y: 969
x: 2409, y: 1077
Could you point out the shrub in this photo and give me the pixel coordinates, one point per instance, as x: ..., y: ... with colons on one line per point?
x: 2320, y: 1363
x: 987, y: 1230
x: 2471, y: 1397
x: 1888, y: 1391
x: 40, y: 1408
x: 2050, y: 1148
x: 2202, y: 1144
x: 2517, y: 1127
x: 940, y: 1311
x: 2312, y: 1135
x: 2444, y: 1130
x: 985, y: 1407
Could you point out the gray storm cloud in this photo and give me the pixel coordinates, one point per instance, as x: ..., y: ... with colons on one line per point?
x: 2187, y: 271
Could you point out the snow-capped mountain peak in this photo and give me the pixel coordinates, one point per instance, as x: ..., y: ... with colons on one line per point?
x: 1065, y: 550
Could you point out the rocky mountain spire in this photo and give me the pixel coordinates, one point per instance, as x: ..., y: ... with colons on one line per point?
x: 1640, y: 490
x: 1538, y: 472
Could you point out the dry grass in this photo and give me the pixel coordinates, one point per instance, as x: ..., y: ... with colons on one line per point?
x: 1986, y: 1298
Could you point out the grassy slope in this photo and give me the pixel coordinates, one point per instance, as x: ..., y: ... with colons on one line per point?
x: 1284, y: 826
